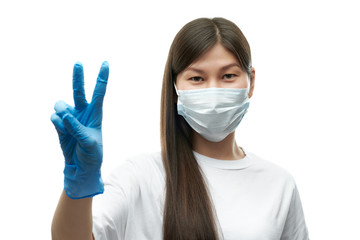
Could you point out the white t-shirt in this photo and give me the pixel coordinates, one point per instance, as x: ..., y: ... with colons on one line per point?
x: 254, y: 199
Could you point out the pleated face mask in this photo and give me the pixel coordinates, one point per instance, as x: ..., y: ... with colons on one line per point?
x: 214, y: 113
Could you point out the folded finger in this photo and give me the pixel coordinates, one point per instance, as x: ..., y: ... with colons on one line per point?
x: 59, y: 126
x: 62, y: 108
x: 78, y: 86
x: 75, y: 128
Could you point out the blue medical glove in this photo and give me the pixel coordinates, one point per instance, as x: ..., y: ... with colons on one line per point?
x: 79, y: 130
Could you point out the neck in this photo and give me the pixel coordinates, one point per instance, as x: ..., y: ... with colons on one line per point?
x: 227, y: 149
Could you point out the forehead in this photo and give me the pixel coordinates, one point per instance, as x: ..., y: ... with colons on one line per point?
x: 216, y: 56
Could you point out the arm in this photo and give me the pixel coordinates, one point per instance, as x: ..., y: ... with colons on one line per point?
x: 79, y: 130
x: 72, y: 219
x: 295, y: 226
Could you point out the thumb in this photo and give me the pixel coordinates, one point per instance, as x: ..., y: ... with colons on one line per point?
x: 75, y: 128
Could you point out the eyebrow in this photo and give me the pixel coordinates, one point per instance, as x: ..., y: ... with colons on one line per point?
x: 222, y: 69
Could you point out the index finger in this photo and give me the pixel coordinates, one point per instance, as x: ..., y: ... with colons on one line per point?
x: 78, y: 86
x: 101, y: 83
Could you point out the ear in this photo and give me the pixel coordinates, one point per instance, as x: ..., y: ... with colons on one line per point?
x: 252, y: 82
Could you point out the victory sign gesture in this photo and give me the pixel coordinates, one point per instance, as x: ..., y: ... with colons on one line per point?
x: 79, y: 130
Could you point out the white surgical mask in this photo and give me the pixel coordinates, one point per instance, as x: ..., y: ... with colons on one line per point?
x: 213, y: 112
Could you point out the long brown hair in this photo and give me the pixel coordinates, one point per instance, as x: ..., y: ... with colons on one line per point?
x: 189, y: 212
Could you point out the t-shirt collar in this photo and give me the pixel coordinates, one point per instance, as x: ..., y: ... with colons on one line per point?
x: 224, y: 164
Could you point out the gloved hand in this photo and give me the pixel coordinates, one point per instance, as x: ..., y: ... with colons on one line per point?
x: 79, y: 131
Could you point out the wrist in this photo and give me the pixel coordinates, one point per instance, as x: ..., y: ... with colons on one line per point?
x: 82, y: 184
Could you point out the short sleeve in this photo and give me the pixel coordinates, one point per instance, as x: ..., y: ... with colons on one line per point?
x: 295, y: 227
x: 111, y: 209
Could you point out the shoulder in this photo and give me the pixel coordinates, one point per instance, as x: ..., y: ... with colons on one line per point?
x: 136, y: 171
x: 140, y: 165
x: 271, y: 170
x: 145, y: 160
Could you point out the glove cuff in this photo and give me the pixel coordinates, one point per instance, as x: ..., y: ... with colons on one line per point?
x: 79, y: 184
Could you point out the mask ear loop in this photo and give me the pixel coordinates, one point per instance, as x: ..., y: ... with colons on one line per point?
x: 248, y: 86
x: 176, y: 89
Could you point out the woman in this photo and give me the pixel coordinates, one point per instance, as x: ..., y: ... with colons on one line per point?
x: 201, y: 185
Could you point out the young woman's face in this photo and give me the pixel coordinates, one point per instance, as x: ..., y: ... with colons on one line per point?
x: 217, y: 68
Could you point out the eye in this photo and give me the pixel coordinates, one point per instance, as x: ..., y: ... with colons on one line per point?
x: 229, y: 76
x: 196, y: 79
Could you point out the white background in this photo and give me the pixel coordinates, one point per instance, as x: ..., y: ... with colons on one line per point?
x: 304, y: 115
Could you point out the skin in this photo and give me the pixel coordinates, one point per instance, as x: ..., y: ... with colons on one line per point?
x: 72, y: 219
x: 217, y: 68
